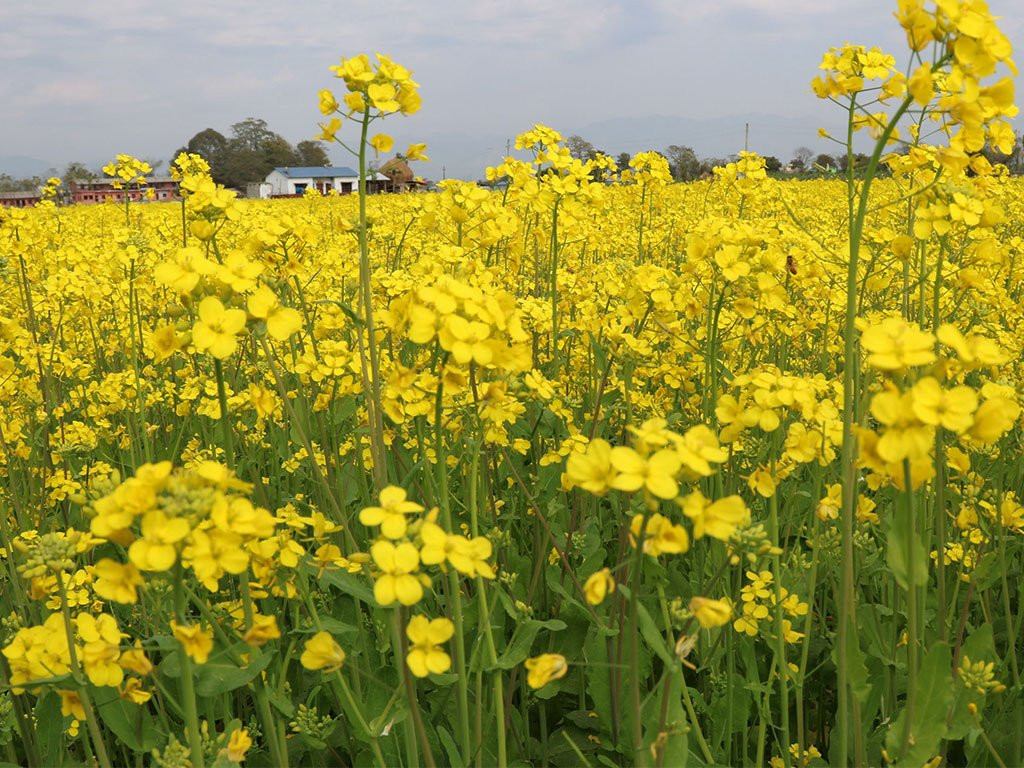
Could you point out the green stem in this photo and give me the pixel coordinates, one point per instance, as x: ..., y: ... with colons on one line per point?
x: 76, y: 672
x: 225, y: 417
x: 372, y: 377
x: 188, y: 691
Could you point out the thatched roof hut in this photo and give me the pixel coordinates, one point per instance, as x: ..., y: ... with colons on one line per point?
x: 398, y: 170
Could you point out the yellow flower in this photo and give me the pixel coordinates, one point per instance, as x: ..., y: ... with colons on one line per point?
x: 116, y: 582
x: 711, y: 613
x: 135, y: 660
x: 214, y: 552
x: 416, y: 152
x: 762, y: 482
x: 355, y: 102
x: 328, y: 129
x: 469, y: 556
x: 263, y: 629
x: 599, y: 585
x: 894, y: 345
x: 383, y: 96
x: 195, y: 641
x: 217, y: 327
x: 281, y: 321
x: 71, y: 705
x: 238, y: 745
x: 662, y: 535
x: 993, y: 419
x: 542, y: 669
x: 328, y: 103
x: 655, y: 474
x: 381, y: 142
x: 321, y: 652
x: 592, y: 469
x: 157, y: 550
x: 953, y: 408
x: 390, y: 515
x: 164, y: 342
x: 425, y: 636
x: 717, y: 519
x: 397, y: 581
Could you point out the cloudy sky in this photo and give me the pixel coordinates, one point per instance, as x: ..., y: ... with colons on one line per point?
x: 83, y: 80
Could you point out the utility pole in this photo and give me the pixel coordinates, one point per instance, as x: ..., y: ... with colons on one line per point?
x: 508, y: 147
x: 746, y: 137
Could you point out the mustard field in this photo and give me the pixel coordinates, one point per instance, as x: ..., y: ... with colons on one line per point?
x: 582, y: 468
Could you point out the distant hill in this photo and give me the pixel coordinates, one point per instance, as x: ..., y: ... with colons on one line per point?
x: 21, y: 167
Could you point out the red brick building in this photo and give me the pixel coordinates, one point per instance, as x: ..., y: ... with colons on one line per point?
x: 24, y: 198
x: 101, y: 190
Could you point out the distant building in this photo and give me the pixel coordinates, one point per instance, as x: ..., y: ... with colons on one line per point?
x: 294, y: 181
x: 101, y: 190
x: 402, y: 177
x: 24, y: 198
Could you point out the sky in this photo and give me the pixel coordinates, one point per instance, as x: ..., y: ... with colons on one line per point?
x: 84, y: 80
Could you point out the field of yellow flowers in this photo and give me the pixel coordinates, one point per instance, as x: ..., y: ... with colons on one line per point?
x: 591, y: 469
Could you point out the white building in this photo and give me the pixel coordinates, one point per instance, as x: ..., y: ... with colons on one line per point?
x: 295, y: 181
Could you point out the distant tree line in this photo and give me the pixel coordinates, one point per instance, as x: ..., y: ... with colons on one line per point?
x: 251, y: 152
x: 685, y: 165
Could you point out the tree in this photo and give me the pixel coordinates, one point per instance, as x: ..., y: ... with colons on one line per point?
x: 580, y: 148
x: 772, y: 164
x: 623, y: 160
x: 251, y: 153
x: 802, y: 157
x: 860, y: 161
x: 240, y: 166
x: 312, y: 153
x: 208, y: 144
x: 251, y: 133
x: 278, y: 153
x: 682, y: 162
x: 76, y: 171
x: 824, y: 162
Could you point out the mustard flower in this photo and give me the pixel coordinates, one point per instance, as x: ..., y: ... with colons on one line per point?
x: 655, y: 474
x: 397, y: 580
x: 425, y: 637
x: 195, y: 641
x: 321, y: 652
x: 390, y: 515
x: 598, y: 586
x: 217, y: 328
x: 711, y: 613
x: 542, y: 669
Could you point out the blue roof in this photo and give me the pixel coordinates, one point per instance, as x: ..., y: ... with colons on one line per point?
x: 316, y: 172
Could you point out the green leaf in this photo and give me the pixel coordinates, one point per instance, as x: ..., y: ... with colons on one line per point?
x: 519, y: 646
x: 934, y: 695
x: 856, y: 669
x: 131, y: 723
x: 349, y: 584
x: 677, y: 749
x: 598, y: 676
x: 901, y: 538
x: 450, y: 748
x: 216, y: 677
x: 722, y: 726
x: 985, y: 573
x: 329, y: 624
x: 281, y: 702
x: 652, y: 635
x: 49, y: 728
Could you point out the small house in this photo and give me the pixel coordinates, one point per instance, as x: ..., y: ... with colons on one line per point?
x: 294, y: 181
